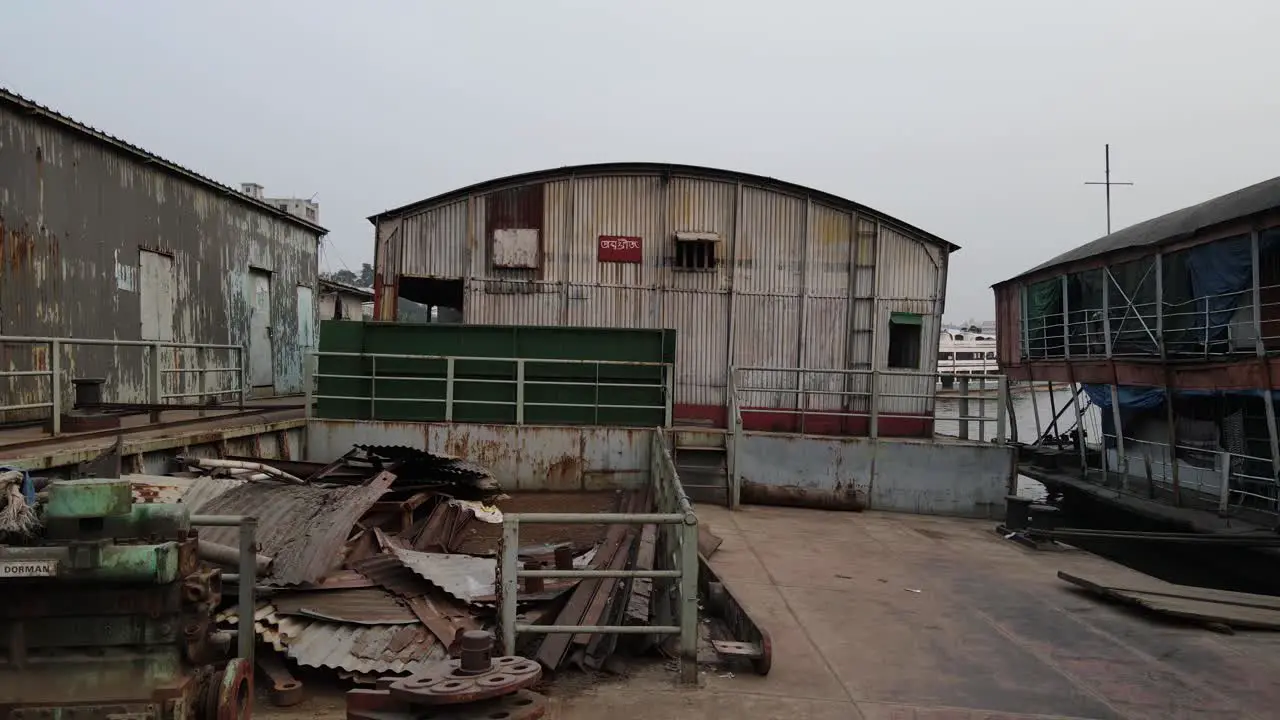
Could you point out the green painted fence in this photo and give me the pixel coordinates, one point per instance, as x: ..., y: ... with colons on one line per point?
x: 500, y: 374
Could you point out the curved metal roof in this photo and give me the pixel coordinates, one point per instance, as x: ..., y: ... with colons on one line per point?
x: 661, y: 169
x: 1175, y: 226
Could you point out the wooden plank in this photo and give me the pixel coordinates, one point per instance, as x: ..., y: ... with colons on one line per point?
x: 1155, y: 587
x: 708, y: 542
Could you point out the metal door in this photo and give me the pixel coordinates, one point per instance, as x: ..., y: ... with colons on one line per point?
x: 156, y: 295
x: 260, y: 370
x: 306, y: 318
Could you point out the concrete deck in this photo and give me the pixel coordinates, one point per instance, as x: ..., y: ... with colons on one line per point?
x: 991, y: 633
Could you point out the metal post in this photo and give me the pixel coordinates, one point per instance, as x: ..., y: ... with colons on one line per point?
x: 1122, y: 461
x: 964, y: 407
x: 201, y: 379
x: 1025, y: 322
x: 689, y: 600
x: 520, y: 390
x: 1053, y: 410
x: 1002, y: 395
x: 244, y: 384
x: 982, y: 407
x: 373, y: 387
x: 1261, y: 351
x: 1066, y: 321
x: 1106, y: 309
x: 669, y: 373
x: 157, y: 388
x: 1224, y: 492
x: 736, y: 477
x: 248, y: 577
x: 55, y: 384
x: 802, y: 397
x: 1160, y: 305
x: 1075, y: 407
x: 874, y: 430
x: 1035, y: 404
x: 448, y: 389
x: 510, y: 582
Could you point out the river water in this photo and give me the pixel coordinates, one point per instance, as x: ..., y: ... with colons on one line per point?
x: 1022, y: 425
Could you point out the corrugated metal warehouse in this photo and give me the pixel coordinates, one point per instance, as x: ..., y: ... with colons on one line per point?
x: 749, y: 270
x: 101, y: 239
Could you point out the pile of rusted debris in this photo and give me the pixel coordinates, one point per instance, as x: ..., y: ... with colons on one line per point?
x: 377, y: 563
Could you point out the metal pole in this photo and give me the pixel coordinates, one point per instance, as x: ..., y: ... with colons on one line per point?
x: 156, y: 388
x: 964, y: 407
x: 1053, y: 409
x: 1035, y: 405
x: 1066, y: 320
x: 373, y: 387
x: 244, y: 385
x: 510, y: 582
x: 1224, y: 490
x: 1122, y: 461
x: 1002, y: 395
x: 520, y: 390
x: 874, y: 430
x: 1075, y: 407
x: 669, y: 372
x: 1106, y: 310
x: 448, y: 389
x: 201, y: 378
x: 55, y: 383
x: 248, y: 572
x: 308, y: 382
x: 689, y: 601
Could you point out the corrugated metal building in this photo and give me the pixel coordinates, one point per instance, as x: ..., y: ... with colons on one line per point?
x: 749, y: 270
x: 102, y: 239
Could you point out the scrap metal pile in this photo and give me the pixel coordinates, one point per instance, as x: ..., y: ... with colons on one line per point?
x: 362, y: 570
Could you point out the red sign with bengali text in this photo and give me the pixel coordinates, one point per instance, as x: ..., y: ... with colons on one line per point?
x: 619, y: 248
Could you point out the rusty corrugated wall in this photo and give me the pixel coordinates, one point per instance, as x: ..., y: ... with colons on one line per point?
x: 802, y: 277
x: 77, y: 211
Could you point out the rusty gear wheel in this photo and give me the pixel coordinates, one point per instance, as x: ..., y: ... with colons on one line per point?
x: 447, y: 683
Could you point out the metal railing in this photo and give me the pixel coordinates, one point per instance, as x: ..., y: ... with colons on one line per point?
x: 1231, y: 482
x: 818, y: 399
x: 246, y: 602
x: 674, y: 604
x: 156, y: 371
x: 452, y: 383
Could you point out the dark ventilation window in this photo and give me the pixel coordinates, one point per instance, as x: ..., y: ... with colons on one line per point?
x: 697, y: 252
x: 904, y: 341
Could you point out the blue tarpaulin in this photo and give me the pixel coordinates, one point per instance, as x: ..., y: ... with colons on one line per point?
x: 1220, y: 272
x: 1144, y: 398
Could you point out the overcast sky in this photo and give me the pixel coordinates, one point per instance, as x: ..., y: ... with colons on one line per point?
x: 976, y: 120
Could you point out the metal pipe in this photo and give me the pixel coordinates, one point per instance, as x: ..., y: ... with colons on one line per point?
x: 603, y: 518
x: 610, y: 630
x: 227, y: 555
x: 44, y: 340
x: 510, y: 581
x: 212, y: 463
x: 590, y: 574
x: 689, y: 603
x: 245, y: 588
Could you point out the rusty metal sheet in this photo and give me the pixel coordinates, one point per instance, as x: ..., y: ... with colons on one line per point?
x: 301, y: 527
x: 362, y: 606
x: 361, y: 649
x: 444, y: 616
x: 193, y: 492
x: 462, y: 576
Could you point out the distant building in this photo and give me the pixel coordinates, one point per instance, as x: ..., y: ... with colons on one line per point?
x: 304, y: 208
x: 104, y: 240
x: 339, y: 301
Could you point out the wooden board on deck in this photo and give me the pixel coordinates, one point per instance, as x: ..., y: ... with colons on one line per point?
x: 1205, y: 605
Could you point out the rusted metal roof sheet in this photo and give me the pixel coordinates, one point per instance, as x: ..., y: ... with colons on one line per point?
x: 193, y: 492
x: 362, y: 606
x: 387, y: 570
x: 301, y: 527
x: 462, y: 576
x: 34, y: 108
x: 359, y: 649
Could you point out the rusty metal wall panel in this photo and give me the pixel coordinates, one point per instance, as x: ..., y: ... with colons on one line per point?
x: 826, y: 346
x: 771, y: 241
x: 435, y: 242
x: 829, y: 261
x: 766, y: 334
x: 701, y: 321
x: 512, y: 302
x: 74, y: 214
x: 611, y: 306
x: 906, y: 268
x: 517, y: 208
x: 702, y: 206
x: 627, y: 206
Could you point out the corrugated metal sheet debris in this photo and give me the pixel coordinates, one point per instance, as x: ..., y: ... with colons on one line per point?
x: 301, y: 527
x: 360, y: 649
x: 362, y: 606
x: 462, y: 576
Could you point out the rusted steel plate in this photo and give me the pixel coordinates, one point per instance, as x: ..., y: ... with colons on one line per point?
x: 301, y: 527
x: 365, y: 606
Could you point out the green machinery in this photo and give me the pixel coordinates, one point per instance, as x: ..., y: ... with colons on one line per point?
x: 108, y: 613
